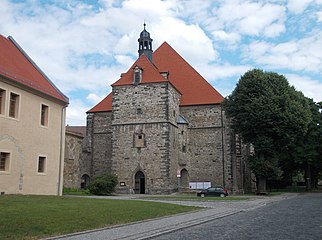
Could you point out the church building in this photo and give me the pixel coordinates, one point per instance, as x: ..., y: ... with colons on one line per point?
x: 162, y: 130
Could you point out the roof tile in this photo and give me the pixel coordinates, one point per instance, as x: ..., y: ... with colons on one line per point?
x: 16, y: 65
x: 149, y: 73
x: 103, y: 106
x: 194, y: 88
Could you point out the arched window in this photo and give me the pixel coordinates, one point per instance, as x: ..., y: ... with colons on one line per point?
x: 85, y: 179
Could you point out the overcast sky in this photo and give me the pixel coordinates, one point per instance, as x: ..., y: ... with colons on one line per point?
x: 84, y: 46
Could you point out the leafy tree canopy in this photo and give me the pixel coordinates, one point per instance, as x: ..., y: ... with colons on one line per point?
x: 266, y: 111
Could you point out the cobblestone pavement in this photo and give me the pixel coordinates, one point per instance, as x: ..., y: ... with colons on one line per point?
x: 156, y: 227
x: 297, y: 218
x: 254, y: 202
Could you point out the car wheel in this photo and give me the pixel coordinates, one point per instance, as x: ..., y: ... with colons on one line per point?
x: 222, y: 195
x: 202, y: 195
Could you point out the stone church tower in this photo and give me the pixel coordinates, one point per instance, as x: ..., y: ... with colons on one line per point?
x: 162, y: 129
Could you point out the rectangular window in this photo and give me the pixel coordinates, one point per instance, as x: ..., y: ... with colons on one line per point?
x: 184, y: 149
x: 41, y: 164
x: 139, y: 140
x: 137, y: 77
x: 44, y: 115
x: 14, y: 105
x: 4, y: 161
x: 2, y: 100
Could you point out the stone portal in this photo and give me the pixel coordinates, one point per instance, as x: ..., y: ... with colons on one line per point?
x: 139, y: 187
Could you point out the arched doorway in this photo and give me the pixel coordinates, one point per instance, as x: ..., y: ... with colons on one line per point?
x: 85, y: 181
x: 184, y: 180
x: 139, y: 187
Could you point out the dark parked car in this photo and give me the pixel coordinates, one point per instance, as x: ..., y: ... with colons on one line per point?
x: 213, y: 191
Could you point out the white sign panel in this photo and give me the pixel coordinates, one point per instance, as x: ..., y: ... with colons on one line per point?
x: 199, y: 185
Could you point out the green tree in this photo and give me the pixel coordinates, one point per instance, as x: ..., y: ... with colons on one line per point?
x: 103, y: 185
x: 269, y: 114
x: 305, y: 154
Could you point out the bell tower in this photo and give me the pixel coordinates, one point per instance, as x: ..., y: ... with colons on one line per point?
x: 145, y: 44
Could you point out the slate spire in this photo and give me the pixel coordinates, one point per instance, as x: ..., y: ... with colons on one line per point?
x: 145, y: 44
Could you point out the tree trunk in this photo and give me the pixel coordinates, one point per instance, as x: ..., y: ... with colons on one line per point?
x: 308, y: 178
x: 261, y: 187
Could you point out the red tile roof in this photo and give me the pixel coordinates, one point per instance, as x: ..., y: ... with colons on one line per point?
x: 194, y: 88
x: 16, y: 65
x: 104, y: 105
x: 150, y: 73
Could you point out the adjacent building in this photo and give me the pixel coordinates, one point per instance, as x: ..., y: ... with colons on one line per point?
x: 162, y: 130
x: 32, y: 125
x: 73, y: 152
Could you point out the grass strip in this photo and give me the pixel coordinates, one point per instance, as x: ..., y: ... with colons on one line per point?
x: 34, y: 217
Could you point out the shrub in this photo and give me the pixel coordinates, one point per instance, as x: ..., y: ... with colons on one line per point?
x: 103, y: 185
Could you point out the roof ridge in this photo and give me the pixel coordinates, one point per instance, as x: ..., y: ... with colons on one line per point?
x: 11, y: 39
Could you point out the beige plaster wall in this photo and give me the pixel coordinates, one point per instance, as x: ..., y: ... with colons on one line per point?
x: 25, y: 139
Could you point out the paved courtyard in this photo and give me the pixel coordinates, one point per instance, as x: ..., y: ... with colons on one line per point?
x: 151, y: 228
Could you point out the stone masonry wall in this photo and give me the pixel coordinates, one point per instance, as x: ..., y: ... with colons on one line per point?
x: 101, y: 144
x: 72, y: 161
x: 207, y: 156
x: 148, y: 110
x: 142, y: 134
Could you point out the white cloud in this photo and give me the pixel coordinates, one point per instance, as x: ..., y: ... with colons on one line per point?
x: 222, y: 76
x: 298, y: 55
x: 94, y: 98
x: 214, y: 72
x: 298, y: 6
x: 252, y: 18
x: 76, y: 112
x: 231, y: 38
x: 83, y: 48
x: 311, y: 88
x: 319, y: 16
x: 190, y: 41
x: 124, y: 60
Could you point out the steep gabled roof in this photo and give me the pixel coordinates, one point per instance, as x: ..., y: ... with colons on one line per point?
x: 149, y: 73
x: 103, y: 106
x: 194, y: 88
x: 16, y: 65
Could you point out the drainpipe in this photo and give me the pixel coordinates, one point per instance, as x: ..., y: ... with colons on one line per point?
x: 62, y: 149
x: 222, y: 147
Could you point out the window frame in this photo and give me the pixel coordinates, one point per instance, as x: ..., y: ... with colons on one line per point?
x: 16, y: 105
x: 44, y: 115
x: 7, y: 163
x: 3, y: 101
x: 139, y: 140
x: 44, y: 165
x: 137, y: 75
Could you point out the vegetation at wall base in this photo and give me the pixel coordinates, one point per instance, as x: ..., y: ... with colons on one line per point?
x: 75, y: 191
x: 103, y: 185
x: 34, y: 217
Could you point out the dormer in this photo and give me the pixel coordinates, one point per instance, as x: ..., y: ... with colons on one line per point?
x: 137, y: 75
x: 165, y: 74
